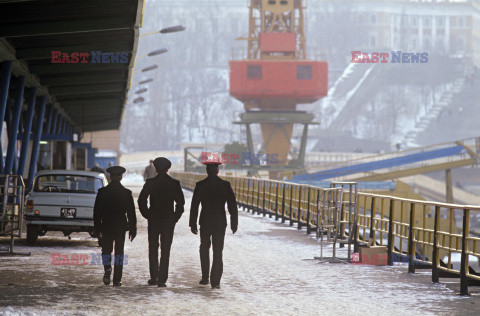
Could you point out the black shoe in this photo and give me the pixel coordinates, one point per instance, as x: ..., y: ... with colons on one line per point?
x: 215, y: 287
x: 117, y: 283
x: 152, y: 282
x: 162, y: 285
x: 106, y: 277
x: 203, y: 282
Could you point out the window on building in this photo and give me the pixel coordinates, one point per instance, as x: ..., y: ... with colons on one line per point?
x: 426, y: 43
x: 461, y: 44
x: 304, y: 72
x: 373, y: 41
x: 426, y: 21
x: 440, y: 22
x: 461, y: 22
x: 414, y: 21
x: 254, y: 72
x: 373, y: 18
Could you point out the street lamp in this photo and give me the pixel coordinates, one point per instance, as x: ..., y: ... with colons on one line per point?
x: 152, y: 67
x: 146, y: 81
x: 171, y: 29
x: 141, y: 91
x: 158, y: 52
x: 138, y: 100
x: 153, y: 53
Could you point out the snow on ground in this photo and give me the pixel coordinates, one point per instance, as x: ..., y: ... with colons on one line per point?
x: 268, y: 270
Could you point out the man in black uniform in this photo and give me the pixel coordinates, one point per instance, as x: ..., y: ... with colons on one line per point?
x: 162, y: 216
x: 114, y: 214
x: 213, y: 193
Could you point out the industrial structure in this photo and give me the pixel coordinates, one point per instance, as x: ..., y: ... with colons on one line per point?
x: 276, y: 76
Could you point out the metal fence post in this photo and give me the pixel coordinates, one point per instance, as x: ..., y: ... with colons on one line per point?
x: 283, y: 203
x: 411, y: 249
x: 435, y: 275
x: 309, y: 228
x: 276, y: 201
x: 390, y: 235
x: 248, y: 196
x: 372, y: 220
x: 291, y: 206
x: 264, y: 185
x: 258, y: 197
x: 464, y: 259
x: 299, y: 211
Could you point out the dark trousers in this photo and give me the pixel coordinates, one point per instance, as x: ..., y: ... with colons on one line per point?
x: 165, y: 233
x: 108, y: 240
x: 212, y: 235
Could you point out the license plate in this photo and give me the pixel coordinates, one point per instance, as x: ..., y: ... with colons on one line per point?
x: 68, y: 212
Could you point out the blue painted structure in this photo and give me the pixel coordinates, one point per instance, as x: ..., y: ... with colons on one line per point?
x: 381, y: 164
x: 40, y: 122
x: 26, y: 131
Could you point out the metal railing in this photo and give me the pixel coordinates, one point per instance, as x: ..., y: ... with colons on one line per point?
x: 418, y: 232
x: 12, y: 206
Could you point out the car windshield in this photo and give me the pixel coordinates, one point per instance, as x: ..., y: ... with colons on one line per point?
x: 67, y: 183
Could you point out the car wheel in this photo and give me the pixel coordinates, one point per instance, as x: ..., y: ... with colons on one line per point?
x: 32, y: 234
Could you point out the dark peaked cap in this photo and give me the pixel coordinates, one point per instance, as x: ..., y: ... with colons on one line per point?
x: 162, y: 163
x: 117, y: 170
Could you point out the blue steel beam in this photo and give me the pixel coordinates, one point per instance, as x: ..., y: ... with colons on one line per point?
x: 53, y: 127
x: 36, y: 141
x: 64, y: 126
x: 5, y: 73
x: 58, y: 129
x: 12, y: 137
x: 48, y: 125
x: 26, y: 131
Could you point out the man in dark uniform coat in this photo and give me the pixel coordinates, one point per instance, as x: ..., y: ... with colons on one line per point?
x: 213, y: 193
x: 162, y: 215
x: 114, y: 214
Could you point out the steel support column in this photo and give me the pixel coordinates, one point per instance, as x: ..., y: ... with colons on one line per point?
x: 36, y: 141
x: 12, y: 137
x: 5, y: 73
x: 64, y: 125
x: 449, y: 186
x: 58, y: 127
x: 49, y: 119
x: 53, y: 126
x: 26, y: 131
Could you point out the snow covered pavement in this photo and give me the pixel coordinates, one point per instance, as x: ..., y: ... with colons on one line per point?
x: 268, y: 269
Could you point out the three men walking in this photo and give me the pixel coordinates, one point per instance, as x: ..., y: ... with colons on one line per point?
x: 161, y: 202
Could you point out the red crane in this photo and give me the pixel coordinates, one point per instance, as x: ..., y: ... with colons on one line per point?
x: 276, y: 76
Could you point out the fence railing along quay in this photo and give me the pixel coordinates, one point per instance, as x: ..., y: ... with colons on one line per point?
x: 418, y: 232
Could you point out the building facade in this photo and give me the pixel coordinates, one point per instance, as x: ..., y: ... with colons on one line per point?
x: 440, y: 27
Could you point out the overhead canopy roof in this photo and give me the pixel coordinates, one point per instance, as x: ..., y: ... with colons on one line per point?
x: 91, y: 95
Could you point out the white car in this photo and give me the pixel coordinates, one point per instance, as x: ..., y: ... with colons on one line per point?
x: 62, y: 200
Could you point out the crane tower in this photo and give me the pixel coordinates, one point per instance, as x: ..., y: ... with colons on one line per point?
x: 275, y: 76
